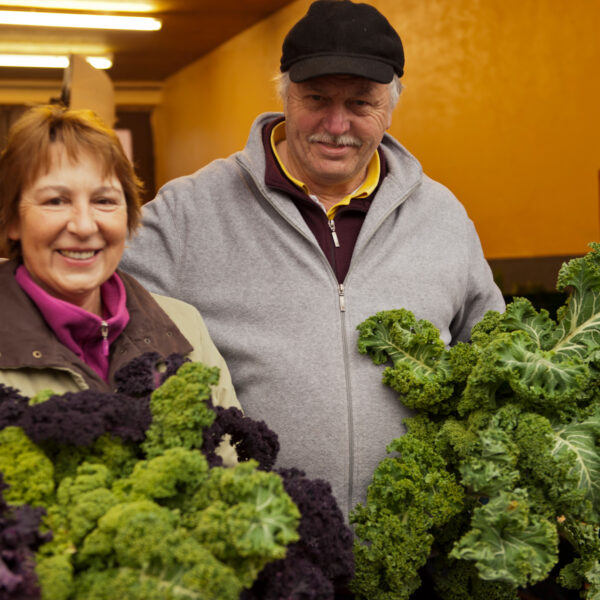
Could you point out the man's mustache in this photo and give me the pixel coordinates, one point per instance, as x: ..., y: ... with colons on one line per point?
x: 335, y: 140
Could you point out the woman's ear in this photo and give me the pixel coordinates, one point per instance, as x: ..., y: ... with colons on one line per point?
x: 14, y: 230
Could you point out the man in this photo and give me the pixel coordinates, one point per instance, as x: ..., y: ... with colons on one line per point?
x: 320, y: 222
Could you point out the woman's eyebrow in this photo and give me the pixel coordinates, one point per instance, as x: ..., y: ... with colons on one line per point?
x: 60, y: 188
x: 51, y: 188
x: 108, y: 188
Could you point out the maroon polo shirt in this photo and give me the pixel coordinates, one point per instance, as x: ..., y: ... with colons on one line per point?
x: 347, y: 221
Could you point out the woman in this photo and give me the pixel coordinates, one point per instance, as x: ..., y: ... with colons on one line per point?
x: 69, y: 199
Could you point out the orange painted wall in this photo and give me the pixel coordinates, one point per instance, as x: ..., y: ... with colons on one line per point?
x: 501, y: 104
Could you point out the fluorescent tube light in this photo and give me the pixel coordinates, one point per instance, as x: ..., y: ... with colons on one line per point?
x: 85, y: 21
x: 33, y: 60
x: 84, y: 5
x: 49, y: 61
x: 57, y: 47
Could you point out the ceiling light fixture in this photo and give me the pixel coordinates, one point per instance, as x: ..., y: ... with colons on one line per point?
x: 84, y: 5
x: 49, y: 61
x: 100, y: 62
x: 33, y: 60
x: 85, y: 21
x: 58, y: 47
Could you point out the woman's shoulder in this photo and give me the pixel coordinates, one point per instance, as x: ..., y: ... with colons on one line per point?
x: 7, y: 266
x: 191, y: 324
x: 140, y: 294
x: 176, y: 309
x: 162, y: 310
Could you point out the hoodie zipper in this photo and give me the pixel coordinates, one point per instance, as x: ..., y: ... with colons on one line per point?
x: 342, y: 305
x: 342, y: 297
x: 336, y: 241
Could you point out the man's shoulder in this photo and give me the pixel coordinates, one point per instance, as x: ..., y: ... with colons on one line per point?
x: 442, y: 199
x: 405, y: 167
x: 438, y: 188
x: 225, y: 171
x: 203, y: 176
x: 406, y: 177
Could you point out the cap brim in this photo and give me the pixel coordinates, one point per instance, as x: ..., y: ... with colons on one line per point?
x: 360, y: 66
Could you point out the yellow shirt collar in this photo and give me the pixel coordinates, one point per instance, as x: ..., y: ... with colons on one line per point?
x: 365, y: 189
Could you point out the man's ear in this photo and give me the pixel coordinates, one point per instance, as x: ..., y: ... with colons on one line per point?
x: 389, y: 116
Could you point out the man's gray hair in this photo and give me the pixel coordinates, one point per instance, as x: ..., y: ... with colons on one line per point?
x: 282, y: 81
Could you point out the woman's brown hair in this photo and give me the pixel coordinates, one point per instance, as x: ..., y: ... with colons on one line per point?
x: 28, y: 155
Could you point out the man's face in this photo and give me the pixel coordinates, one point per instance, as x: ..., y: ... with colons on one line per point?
x: 333, y: 126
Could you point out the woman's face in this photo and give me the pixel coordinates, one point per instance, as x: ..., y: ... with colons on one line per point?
x: 72, y: 226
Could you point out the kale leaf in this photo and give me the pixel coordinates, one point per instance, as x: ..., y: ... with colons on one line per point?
x: 511, y: 424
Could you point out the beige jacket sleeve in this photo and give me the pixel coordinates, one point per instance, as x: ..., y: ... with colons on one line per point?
x: 191, y: 324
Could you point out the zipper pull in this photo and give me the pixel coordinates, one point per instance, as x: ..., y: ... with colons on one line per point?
x: 336, y: 242
x: 104, y: 332
x: 342, y: 297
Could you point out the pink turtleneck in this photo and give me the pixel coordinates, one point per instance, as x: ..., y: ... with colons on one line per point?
x: 86, y: 334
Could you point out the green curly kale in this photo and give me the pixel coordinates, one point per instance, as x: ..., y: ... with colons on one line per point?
x: 459, y: 580
x: 581, y: 439
x: 26, y: 468
x: 179, y: 410
x: 423, y: 372
x: 514, y: 419
x: 249, y: 521
x: 154, y: 554
x: 508, y: 541
x: 150, y: 520
x: 583, y: 571
x: 409, y: 495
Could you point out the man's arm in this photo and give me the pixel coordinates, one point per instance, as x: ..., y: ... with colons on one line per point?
x: 482, y: 293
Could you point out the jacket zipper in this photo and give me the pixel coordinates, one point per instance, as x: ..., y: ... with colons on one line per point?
x: 104, y: 332
x: 336, y: 241
x: 342, y: 297
x: 342, y: 304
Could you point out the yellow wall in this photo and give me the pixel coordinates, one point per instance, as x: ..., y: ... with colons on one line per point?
x: 207, y: 108
x: 501, y: 104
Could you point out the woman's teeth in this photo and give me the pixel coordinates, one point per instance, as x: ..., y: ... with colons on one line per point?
x: 79, y: 255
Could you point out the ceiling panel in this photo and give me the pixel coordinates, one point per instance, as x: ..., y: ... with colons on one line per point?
x: 191, y: 28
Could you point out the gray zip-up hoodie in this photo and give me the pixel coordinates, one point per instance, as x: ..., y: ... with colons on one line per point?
x: 243, y: 255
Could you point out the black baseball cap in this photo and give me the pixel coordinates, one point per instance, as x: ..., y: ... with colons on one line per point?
x: 342, y: 38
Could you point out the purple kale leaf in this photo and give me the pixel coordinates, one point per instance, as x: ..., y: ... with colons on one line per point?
x: 19, y: 539
x: 323, y: 553
x: 141, y: 376
x: 251, y: 439
x: 12, y: 406
x: 294, y: 578
x: 325, y: 539
x: 80, y: 418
